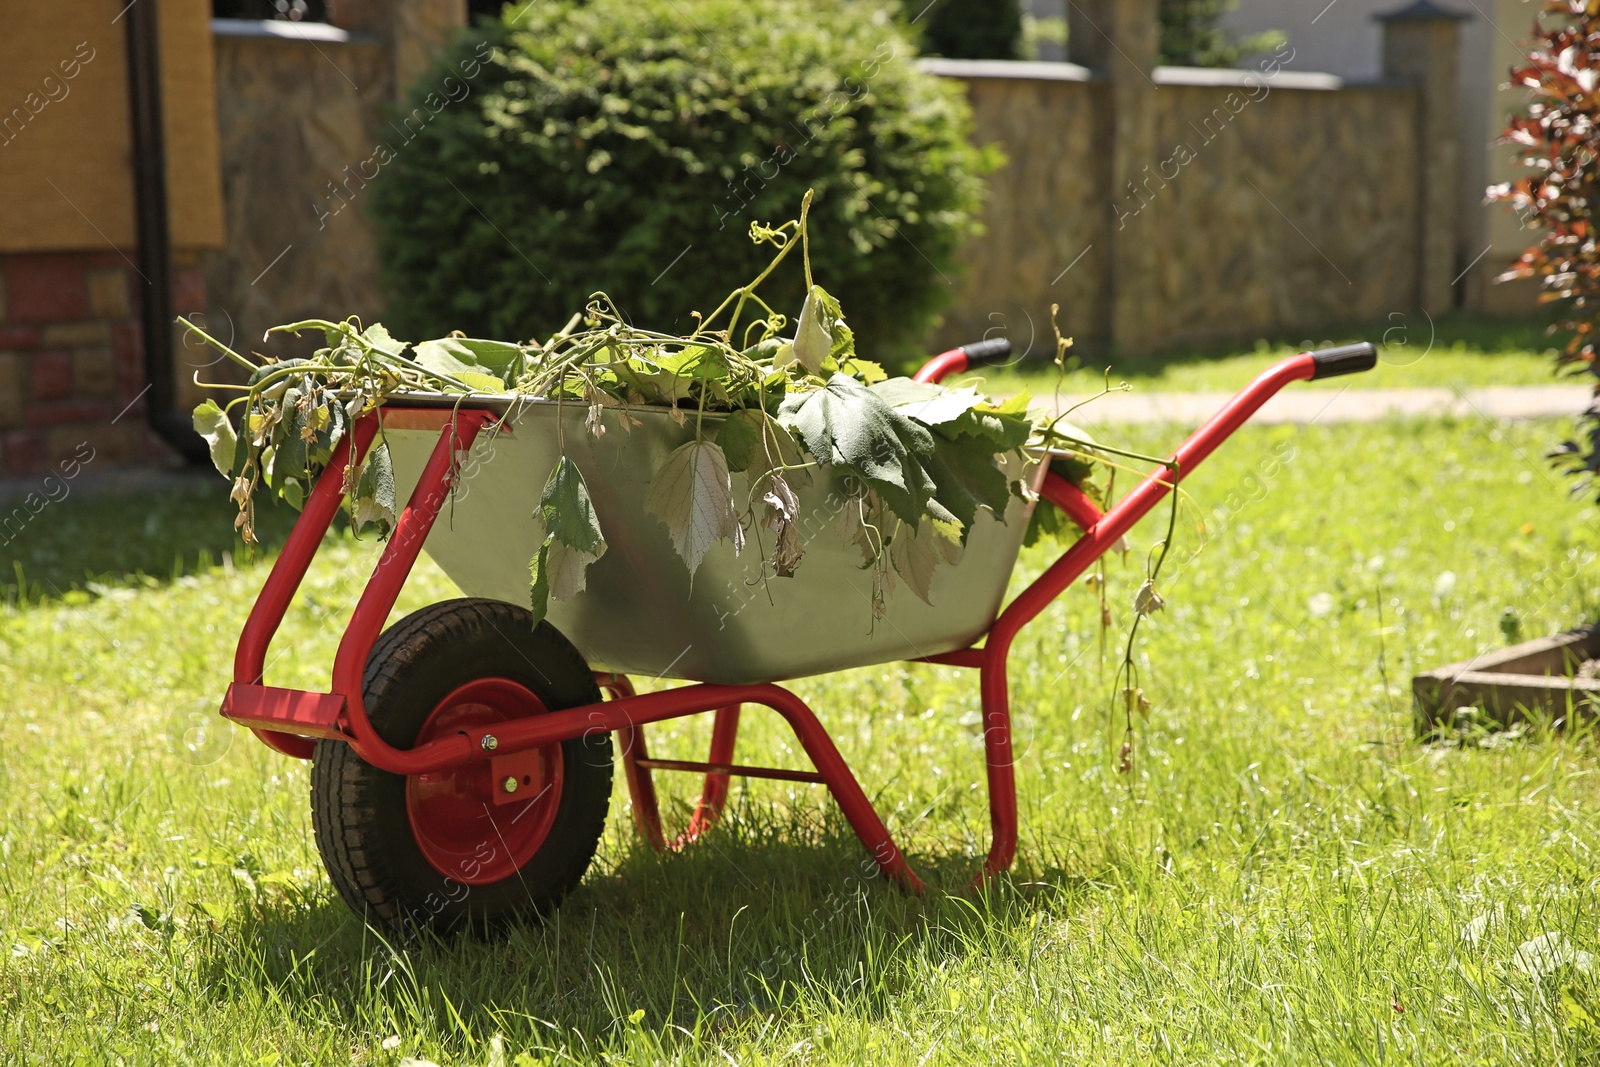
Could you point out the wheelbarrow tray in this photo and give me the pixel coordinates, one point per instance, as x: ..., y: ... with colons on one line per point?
x: 736, y: 622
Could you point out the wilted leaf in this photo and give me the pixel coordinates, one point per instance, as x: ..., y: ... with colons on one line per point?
x: 693, y: 494
x: 374, y: 497
x: 211, y: 422
x: 811, y: 337
x: 569, y: 569
x: 917, y: 553
x: 1542, y: 955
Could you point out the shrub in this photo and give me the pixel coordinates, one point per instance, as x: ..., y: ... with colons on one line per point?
x: 973, y: 29
x: 626, y: 146
x: 1556, y: 141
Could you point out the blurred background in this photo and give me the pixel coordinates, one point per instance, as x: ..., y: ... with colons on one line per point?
x: 1170, y: 173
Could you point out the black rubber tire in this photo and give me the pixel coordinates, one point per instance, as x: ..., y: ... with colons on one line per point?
x: 359, y: 811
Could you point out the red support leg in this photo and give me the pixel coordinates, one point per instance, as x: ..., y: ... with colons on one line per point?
x: 999, y: 767
x: 641, y: 784
x: 249, y: 662
x: 724, y: 734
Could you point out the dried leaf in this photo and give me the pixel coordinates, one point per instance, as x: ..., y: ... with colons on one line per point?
x: 782, y: 511
x: 1147, y: 601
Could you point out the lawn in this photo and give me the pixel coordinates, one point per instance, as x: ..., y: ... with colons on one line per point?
x: 1464, y: 351
x: 1288, y: 875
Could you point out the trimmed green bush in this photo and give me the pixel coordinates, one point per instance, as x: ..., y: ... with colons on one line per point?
x: 627, y: 145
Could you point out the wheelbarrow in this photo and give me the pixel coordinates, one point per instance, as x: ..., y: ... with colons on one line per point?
x: 462, y: 759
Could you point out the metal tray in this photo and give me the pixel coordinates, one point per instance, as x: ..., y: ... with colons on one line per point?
x: 737, y: 623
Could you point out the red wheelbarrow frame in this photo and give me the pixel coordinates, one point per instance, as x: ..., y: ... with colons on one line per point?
x: 289, y: 720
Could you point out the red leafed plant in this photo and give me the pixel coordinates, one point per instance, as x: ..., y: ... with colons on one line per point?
x: 1558, y: 140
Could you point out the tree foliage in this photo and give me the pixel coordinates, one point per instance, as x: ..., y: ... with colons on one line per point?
x: 973, y: 29
x: 1556, y: 141
x: 617, y: 144
x: 1192, y: 37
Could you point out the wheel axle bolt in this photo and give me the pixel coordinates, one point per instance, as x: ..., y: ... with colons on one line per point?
x: 490, y: 742
x: 510, y: 785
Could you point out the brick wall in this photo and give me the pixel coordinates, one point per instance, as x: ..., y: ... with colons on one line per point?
x: 72, y: 360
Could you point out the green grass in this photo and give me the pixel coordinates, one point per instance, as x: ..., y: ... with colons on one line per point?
x: 1459, y: 350
x: 1282, y: 879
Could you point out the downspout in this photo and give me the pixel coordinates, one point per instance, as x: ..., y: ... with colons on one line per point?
x: 155, y: 242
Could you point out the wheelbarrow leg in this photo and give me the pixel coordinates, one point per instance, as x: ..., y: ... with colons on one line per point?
x: 641, y: 786
x: 724, y: 735
x: 999, y: 767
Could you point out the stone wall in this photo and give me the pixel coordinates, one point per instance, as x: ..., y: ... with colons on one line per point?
x: 297, y: 118
x: 1294, y: 211
x: 303, y: 110
x: 1161, y: 206
x: 1044, y: 210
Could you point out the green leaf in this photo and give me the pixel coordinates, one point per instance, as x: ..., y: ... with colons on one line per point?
x: 740, y: 438
x: 1003, y: 431
x: 379, y: 337
x: 655, y: 384
x: 539, y: 586
x: 929, y: 404
x: 291, y: 455
x: 967, y: 477
x: 273, y: 369
x: 766, y: 350
x: 484, y: 365
x: 567, y: 512
x: 573, y: 539
x: 241, y: 455
x: 693, y: 494
x: 1048, y: 521
x: 211, y: 422
x: 753, y: 440
x: 864, y: 369
x: 374, y: 498
x: 847, y: 425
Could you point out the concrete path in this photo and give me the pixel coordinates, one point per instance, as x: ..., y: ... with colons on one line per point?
x: 1305, y: 405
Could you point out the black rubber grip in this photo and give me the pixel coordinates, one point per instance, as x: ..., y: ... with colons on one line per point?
x: 988, y: 353
x: 1346, y: 359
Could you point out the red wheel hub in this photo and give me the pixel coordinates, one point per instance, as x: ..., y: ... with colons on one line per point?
x: 457, y: 824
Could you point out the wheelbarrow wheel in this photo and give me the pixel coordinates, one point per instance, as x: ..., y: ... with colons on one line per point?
x: 438, y: 850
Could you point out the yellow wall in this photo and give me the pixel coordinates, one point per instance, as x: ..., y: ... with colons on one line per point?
x: 66, y: 179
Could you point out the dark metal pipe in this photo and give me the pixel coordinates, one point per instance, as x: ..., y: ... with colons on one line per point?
x: 155, y: 240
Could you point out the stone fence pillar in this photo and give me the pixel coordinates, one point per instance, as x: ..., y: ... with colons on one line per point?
x: 1120, y: 41
x: 1421, y: 43
x: 414, y: 31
